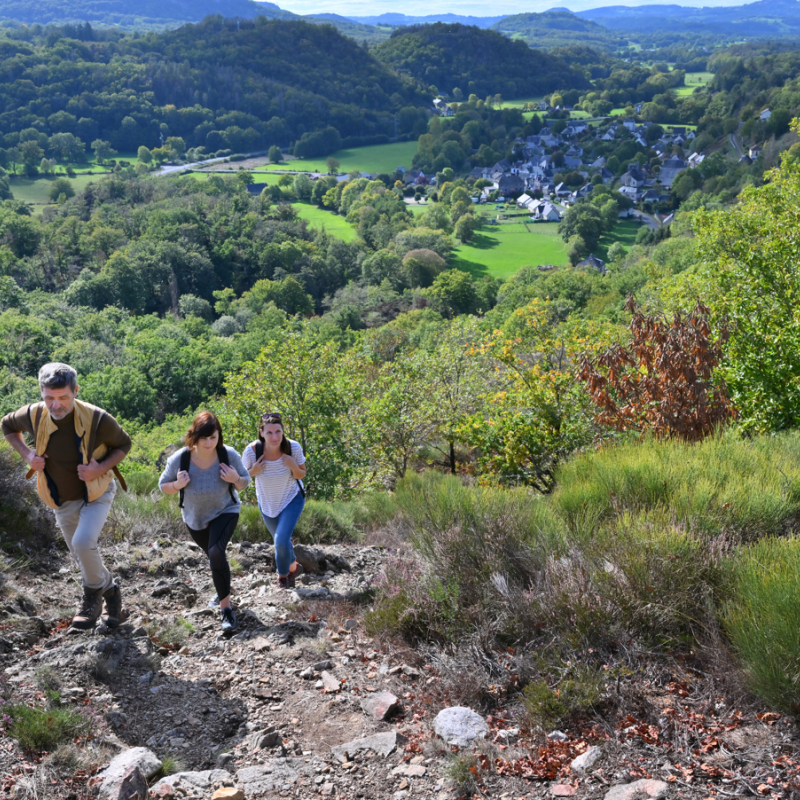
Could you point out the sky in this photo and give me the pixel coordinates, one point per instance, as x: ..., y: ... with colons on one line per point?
x: 372, y: 8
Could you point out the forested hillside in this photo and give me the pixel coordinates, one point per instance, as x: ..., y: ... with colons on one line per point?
x: 559, y: 29
x: 220, y: 84
x: 141, y: 14
x: 474, y: 61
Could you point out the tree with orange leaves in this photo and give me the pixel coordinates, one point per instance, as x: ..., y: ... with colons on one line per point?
x: 663, y: 380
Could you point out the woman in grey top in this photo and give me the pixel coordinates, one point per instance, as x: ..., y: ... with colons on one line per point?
x: 205, y: 473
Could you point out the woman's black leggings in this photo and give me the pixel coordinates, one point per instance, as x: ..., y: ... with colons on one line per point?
x: 214, y: 539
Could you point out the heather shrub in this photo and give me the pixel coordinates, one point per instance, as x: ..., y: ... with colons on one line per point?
x: 474, y: 550
x: 38, y: 728
x: 723, y: 485
x: 762, y: 618
x: 657, y: 579
x: 578, y: 692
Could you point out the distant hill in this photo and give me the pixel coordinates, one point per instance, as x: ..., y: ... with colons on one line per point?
x: 764, y: 19
x: 164, y: 14
x: 475, y: 61
x: 240, y: 85
x: 398, y: 20
x: 142, y: 14
x: 558, y: 28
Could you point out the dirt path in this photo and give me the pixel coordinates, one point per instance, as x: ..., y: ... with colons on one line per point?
x: 295, y: 682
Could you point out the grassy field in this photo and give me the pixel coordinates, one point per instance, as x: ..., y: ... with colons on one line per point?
x: 624, y: 232
x: 35, y: 191
x: 500, y: 251
x: 320, y: 218
x: 519, y: 103
x: 693, y: 81
x: 379, y: 158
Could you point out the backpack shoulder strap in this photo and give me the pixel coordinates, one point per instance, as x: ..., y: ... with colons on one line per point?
x: 97, y: 418
x: 186, y: 460
x: 222, y: 454
x: 258, y: 448
x: 35, y: 425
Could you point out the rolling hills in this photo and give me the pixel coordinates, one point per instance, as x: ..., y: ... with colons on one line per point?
x: 475, y: 61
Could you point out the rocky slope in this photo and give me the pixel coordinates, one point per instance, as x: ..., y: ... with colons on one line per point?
x: 301, y: 702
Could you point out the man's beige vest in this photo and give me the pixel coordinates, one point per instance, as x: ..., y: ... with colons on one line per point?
x: 87, y: 420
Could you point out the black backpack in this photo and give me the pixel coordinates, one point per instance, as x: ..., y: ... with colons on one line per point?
x: 258, y: 448
x: 186, y: 459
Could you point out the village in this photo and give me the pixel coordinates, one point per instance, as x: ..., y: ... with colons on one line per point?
x: 534, y: 179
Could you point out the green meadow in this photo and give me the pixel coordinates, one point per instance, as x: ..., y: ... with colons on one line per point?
x: 380, y: 158
x: 694, y: 80
x: 520, y: 102
x: 35, y: 190
x: 500, y: 251
x: 321, y: 218
x: 624, y: 232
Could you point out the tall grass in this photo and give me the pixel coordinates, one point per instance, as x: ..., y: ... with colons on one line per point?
x: 762, y: 618
x: 650, y: 543
x: 723, y: 485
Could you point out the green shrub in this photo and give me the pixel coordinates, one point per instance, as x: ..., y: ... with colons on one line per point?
x: 575, y: 695
x: 461, y: 769
x: 762, y: 618
x: 323, y: 523
x: 38, y: 728
x: 170, y: 634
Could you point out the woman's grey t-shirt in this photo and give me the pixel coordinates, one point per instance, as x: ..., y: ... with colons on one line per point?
x: 206, y: 496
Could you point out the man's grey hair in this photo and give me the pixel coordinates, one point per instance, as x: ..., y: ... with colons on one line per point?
x: 58, y: 376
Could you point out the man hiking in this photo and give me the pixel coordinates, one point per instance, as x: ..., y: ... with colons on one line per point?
x: 77, y: 447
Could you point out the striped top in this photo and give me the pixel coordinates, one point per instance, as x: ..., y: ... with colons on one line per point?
x: 275, y: 486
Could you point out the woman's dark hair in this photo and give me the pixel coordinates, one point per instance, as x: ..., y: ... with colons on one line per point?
x: 202, y: 427
x: 273, y: 418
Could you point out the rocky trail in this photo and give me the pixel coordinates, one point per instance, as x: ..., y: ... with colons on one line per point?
x: 301, y: 702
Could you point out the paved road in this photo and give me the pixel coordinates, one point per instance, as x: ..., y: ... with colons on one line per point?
x: 172, y: 170
x: 736, y: 145
x: 651, y: 222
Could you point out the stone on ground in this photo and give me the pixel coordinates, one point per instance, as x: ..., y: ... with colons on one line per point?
x: 114, y: 774
x: 196, y: 780
x: 381, y: 743
x: 586, y: 760
x: 228, y: 793
x: 628, y: 791
x: 460, y: 726
x: 380, y: 706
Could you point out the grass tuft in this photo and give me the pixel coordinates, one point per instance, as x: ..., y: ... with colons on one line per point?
x: 762, y: 618
x: 37, y: 728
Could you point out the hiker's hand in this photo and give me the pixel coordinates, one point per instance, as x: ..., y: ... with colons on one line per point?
x: 229, y: 474
x: 36, y: 462
x: 258, y: 467
x: 182, y: 479
x: 293, y: 466
x: 91, y: 471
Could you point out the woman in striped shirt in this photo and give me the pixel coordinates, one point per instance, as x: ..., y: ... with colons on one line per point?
x: 277, y: 465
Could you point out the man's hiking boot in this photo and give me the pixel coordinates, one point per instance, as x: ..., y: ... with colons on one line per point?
x: 294, y: 575
x: 228, y: 620
x: 113, y: 602
x: 283, y: 581
x: 90, y: 609
x: 214, y: 601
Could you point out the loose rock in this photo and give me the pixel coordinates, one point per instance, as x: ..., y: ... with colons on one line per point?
x: 586, y: 760
x: 380, y: 706
x: 460, y: 726
x: 118, y: 768
x: 381, y: 743
x: 628, y: 791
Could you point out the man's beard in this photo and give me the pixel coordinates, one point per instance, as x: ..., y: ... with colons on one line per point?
x: 58, y: 415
